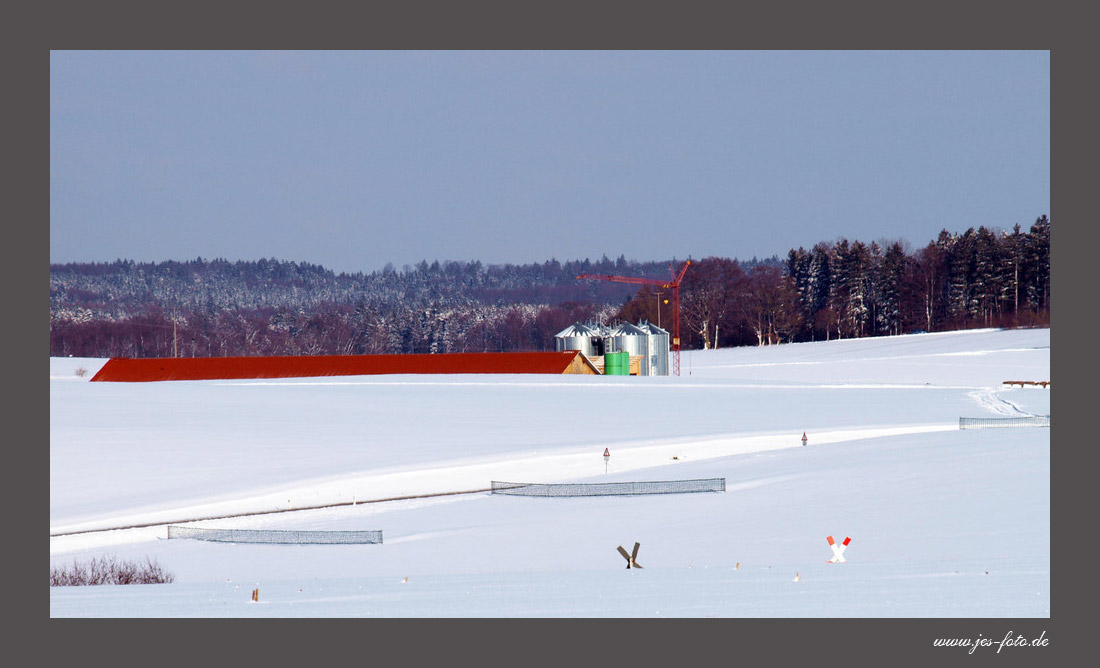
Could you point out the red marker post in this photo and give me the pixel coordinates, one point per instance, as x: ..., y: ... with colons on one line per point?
x: 838, y: 550
x: 804, y: 439
x: 606, y: 458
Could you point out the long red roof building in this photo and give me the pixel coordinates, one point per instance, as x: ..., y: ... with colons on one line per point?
x: 122, y: 369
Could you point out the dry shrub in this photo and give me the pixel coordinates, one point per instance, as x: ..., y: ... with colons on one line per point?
x: 108, y: 570
x: 81, y: 372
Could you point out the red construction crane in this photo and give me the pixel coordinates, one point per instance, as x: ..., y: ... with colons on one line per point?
x: 675, y: 285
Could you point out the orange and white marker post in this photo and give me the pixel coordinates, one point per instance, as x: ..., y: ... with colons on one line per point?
x: 838, y: 550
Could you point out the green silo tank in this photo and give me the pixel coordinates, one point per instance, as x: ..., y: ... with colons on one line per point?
x: 617, y: 364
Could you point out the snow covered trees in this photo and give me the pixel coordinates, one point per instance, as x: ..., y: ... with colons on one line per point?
x: 975, y: 279
x: 979, y: 278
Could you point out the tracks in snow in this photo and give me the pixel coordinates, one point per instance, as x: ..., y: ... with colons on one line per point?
x: 990, y: 400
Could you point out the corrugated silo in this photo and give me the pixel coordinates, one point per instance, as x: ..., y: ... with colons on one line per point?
x: 631, y: 339
x: 589, y: 339
x: 657, y: 349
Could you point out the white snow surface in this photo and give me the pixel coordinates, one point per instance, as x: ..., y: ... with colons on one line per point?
x: 943, y: 522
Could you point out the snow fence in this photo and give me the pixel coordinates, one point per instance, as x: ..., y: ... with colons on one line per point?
x: 985, y: 423
x: 609, y: 488
x: 276, y: 537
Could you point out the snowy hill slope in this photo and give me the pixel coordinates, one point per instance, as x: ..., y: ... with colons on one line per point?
x: 944, y: 522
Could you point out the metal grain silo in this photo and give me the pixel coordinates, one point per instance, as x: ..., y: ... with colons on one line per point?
x: 573, y: 337
x: 657, y: 347
x: 633, y: 340
x: 586, y: 338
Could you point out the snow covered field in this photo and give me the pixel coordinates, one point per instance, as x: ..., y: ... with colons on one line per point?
x: 944, y: 522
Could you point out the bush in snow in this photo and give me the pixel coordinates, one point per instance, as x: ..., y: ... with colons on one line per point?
x: 108, y: 570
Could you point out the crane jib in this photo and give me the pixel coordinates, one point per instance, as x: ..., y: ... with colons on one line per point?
x: 674, y: 285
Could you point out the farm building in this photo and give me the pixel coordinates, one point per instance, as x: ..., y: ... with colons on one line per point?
x: 215, y: 368
x: 645, y: 341
x: 646, y: 344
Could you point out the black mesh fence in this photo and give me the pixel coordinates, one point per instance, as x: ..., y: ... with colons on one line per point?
x: 276, y: 537
x: 986, y: 423
x: 609, y: 488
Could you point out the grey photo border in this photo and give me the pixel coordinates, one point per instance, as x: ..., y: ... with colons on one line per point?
x: 490, y: 25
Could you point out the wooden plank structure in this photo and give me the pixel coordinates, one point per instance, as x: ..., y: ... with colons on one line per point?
x: 121, y: 369
x: 635, y: 364
x: 1042, y: 383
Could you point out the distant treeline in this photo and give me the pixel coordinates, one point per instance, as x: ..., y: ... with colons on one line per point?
x: 847, y: 289
x: 838, y: 289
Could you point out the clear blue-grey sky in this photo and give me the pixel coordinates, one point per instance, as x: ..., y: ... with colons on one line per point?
x: 353, y: 160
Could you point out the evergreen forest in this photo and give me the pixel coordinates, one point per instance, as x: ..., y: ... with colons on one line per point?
x: 840, y: 289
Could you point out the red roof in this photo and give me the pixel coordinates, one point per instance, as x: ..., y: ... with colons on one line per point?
x: 212, y: 368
